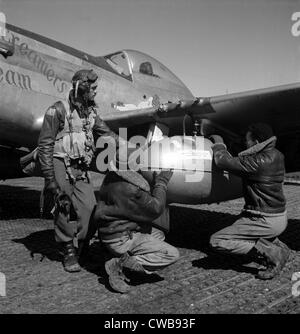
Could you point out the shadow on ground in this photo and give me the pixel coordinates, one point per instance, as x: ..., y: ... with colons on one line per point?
x: 213, y: 261
x: 41, y: 244
x: 291, y: 236
x: 190, y: 229
x: 18, y: 202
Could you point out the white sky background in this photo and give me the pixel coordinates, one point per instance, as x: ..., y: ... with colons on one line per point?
x: 213, y: 46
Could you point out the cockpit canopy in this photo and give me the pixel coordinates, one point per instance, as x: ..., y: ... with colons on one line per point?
x: 119, y: 62
x: 127, y: 63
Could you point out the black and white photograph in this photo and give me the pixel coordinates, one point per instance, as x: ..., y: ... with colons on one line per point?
x: 149, y: 159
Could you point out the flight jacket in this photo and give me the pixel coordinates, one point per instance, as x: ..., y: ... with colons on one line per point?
x: 124, y: 207
x: 262, y: 170
x: 53, y: 123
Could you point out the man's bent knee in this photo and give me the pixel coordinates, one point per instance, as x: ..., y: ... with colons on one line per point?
x: 173, y: 254
x: 215, y: 242
x: 221, y: 245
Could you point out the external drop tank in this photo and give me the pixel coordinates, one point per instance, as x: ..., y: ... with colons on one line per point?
x: 196, y: 178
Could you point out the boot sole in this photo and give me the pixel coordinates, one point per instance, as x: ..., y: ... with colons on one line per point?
x: 112, y: 284
x: 72, y: 269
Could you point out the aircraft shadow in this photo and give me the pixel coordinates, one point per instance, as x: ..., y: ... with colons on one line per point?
x: 18, y: 202
x: 291, y: 236
x: 41, y: 245
x: 192, y: 229
x: 215, y: 261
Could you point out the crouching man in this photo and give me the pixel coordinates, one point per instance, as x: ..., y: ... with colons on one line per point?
x: 264, y: 216
x: 125, y: 213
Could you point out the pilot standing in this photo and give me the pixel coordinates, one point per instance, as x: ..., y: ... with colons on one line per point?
x: 264, y: 216
x: 66, y: 148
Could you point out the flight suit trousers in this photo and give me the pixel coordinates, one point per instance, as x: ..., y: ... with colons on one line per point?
x: 150, y: 250
x: 83, y: 201
x: 240, y: 237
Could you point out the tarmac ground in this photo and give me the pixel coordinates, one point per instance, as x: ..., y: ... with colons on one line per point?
x: 199, y: 283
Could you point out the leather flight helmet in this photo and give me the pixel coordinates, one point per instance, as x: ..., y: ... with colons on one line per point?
x: 83, y: 79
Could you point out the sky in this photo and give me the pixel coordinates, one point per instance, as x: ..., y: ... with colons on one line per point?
x: 214, y: 46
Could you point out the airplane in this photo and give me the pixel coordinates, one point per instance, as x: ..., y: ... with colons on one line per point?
x: 139, y: 93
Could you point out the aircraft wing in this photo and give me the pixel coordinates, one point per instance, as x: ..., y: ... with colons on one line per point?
x: 231, y: 114
x: 278, y: 106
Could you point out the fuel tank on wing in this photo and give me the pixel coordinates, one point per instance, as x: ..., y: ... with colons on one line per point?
x: 196, y: 179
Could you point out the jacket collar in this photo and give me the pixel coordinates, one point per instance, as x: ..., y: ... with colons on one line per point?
x: 259, y: 147
x: 134, y: 178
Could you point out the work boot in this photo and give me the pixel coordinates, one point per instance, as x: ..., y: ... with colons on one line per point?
x: 116, y: 277
x: 130, y: 263
x: 281, y: 244
x: 70, y: 261
x: 274, y: 256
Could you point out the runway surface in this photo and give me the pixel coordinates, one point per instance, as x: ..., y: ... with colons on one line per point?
x: 198, y: 283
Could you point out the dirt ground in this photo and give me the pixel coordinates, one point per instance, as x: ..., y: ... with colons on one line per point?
x: 198, y: 283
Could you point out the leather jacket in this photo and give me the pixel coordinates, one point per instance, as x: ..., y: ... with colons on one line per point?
x: 53, y: 123
x: 125, y: 207
x: 262, y: 170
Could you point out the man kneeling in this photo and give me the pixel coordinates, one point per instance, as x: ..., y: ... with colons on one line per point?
x: 126, y: 212
x: 264, y: 216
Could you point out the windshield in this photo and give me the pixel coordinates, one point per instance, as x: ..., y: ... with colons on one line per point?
x: 118, y: 61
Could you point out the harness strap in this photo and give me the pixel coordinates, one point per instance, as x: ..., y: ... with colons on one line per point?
x: 66, y: 158
x: 69, y: 117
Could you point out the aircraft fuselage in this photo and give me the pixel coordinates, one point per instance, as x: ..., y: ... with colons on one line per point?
x: 39, y: 71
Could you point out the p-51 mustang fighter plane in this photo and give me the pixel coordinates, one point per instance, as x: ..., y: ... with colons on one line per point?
x: 140, y: 94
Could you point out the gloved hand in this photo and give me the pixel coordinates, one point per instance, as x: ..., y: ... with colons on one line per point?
x: 164, y: 176
x: 52, y: 187
x: 216, y: 139
x: 63, y: 203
